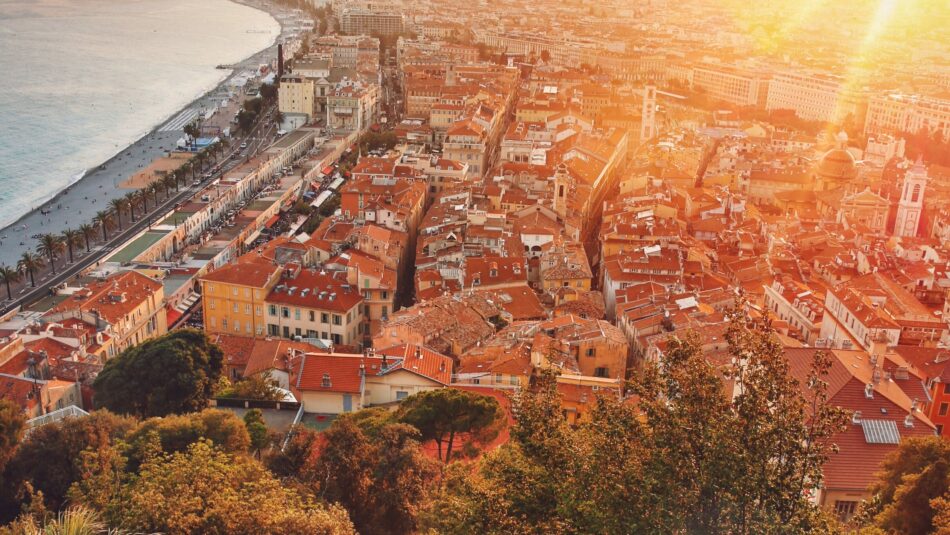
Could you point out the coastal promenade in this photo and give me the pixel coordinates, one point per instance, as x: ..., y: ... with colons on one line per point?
x: 79, y: 203
x: 46, y: 281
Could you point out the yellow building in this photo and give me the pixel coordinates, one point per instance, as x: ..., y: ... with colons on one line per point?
x: 234, y: 298
x: 130, y: 303
x: 297, y: 94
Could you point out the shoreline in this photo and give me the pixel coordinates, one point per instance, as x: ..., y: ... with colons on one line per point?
x: 95, y: 175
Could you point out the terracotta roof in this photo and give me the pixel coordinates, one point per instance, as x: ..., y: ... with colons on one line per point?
x: 254, y: 275
x: 324, y: 372
x: 419, y: 360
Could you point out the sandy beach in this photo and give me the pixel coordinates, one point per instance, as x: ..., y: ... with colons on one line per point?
x: 78, y: 203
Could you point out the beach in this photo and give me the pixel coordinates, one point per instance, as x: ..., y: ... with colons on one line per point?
x: 92, y: 191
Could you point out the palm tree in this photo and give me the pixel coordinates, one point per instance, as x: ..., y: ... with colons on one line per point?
x: 118, y: 206
x: 29, y: 263
x: 104, y: 220
x: 141, y: 197
x: 9, y: 276
x: 170, y: 182
x: 70, y: 238
x: 50, y: 246
x: 131, y: 199
x: 86, y: 230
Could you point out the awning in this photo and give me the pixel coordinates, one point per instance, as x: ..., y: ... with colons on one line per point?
x: 272, y: 221
x: 250, y: 239
x: 327, y: 170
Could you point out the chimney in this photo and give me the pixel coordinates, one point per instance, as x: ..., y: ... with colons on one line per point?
x: 280, y: 61
x: 418, y: 353
x: 856, y: 417
x: 909, y: 420
x: 869, y: 391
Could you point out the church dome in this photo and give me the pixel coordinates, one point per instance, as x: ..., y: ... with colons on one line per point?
x: 837, y: 164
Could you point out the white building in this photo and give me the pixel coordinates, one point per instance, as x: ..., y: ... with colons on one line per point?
x: 912, y: 201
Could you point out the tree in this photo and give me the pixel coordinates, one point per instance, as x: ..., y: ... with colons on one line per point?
x: 12, y: 425
x: 257, y: 430
x: 204, y: 490
x: 131, y: 200
x: 447, y: 414
x: 72, y: 238
x: 51, y: 246
x: 174, y: 433
x: 258, y: 387
x: 171, y: 374
x: 118, y: 206
x: 908, y: 492
x: 30, y: 263
x: 382, y: 482
x: 9, y: 276
x: 86, y: 230
x: 688, y: 456
x: 47, y: 459
x: 73, y: 521
x: 104, y: 220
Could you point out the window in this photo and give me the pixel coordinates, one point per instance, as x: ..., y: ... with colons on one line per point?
x: 247, y: 309
x: 285, y: 312
x: 297, y: 314
x: 384, y: 295
x: 591, y: 351
x: 401, y: 395
x: 224, y: 323
x: 499, y: 378
x: 234, y: 291
x: 513, y: 380
x: 211, y: 303
x: 272, y: 310
x: 946, y: 388
x: 272, y: 330
x: 845, y: 509
x: 326, y: 380
x: 943, y: 409
x: 257, y: 310
x: 234, y: 307
x: 286, y: 331
x: 259, y: 331
x: 237, y: 326
x: 313, y: 315
x: 297, y: 331
x: 324, y: 317
x: 337, y: 320
x: 939, y: 429
x: 601, y: 372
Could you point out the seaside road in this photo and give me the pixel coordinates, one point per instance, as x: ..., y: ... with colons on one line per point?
x: 45, y: 282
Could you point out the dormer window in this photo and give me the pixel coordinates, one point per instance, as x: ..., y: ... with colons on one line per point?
x: 326, y: 380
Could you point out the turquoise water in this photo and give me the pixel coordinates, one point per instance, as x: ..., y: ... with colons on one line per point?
x: 84, y: 78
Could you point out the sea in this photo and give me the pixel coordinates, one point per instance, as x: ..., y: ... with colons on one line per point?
x: 83, y: 79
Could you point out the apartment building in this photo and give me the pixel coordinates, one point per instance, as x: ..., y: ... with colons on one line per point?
x: 234, y: 298
x: 132, y: 304
x: 358, y: 21
x: 297, y: 95
x: 812, y: 98
x: 312, y: 303
x: 895, y: 112
x: 732, y: 85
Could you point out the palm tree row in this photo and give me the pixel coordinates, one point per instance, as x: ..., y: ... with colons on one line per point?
x: 51, y: 246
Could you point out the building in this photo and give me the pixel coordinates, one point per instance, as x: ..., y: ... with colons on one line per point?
x: 310, y: 303
x: 357, y: 21
x: 911, y: 202
x: 297, y: 95
x: 130, y: 303
x: 234, y: 298
x: 896, y: 113
x: 729, y: 84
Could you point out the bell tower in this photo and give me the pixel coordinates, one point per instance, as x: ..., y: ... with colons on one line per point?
x: 912, y: 200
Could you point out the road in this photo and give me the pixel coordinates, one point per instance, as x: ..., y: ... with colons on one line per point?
x: 257, y: 140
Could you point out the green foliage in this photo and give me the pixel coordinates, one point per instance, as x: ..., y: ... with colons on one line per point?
x: 256, y: 429
x: 330, y: 206
x: 446, y: 415
x: 175, y: 433
x: 686, y: 458
x: 913, y: 487
x: 47, y: 460
x: 73, y: 521
x: 204, y: 490
x: 258, y: 387
x: 378, y: 140
x: 171, y: 374
x: 12, y: 425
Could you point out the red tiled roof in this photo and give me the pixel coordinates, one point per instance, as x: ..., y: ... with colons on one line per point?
x: 427, y: 363
x: 342, y: 372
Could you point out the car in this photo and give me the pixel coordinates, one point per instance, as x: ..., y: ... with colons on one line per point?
x: 244, y: 145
